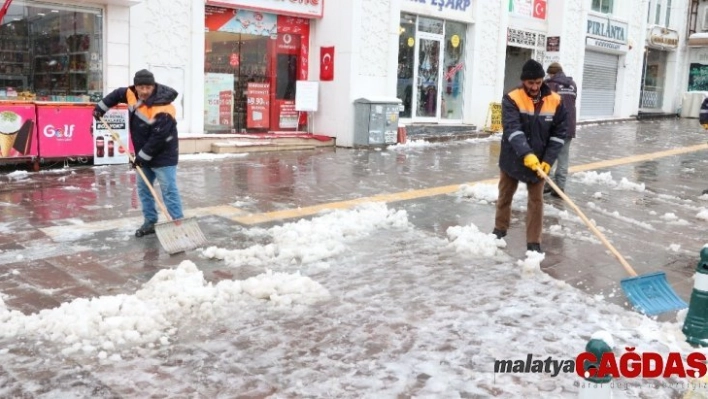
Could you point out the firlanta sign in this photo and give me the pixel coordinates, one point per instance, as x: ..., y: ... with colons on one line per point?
x: 606, y: 28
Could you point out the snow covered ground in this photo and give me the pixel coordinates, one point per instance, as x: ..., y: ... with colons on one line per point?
x: 356, y: 303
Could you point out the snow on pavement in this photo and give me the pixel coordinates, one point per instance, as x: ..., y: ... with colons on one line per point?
x: 355, y: 303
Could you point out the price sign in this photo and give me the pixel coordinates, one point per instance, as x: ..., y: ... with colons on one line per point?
x: 258, y: 105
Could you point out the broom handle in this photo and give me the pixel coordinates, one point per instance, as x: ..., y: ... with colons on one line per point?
x: 592, y: 227
x: 115, y: 136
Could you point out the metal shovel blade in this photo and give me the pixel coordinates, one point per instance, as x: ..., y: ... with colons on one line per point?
x: 180, y: 235
x: 651, y: 294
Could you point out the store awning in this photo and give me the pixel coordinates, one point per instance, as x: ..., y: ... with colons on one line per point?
x: 698, y: 40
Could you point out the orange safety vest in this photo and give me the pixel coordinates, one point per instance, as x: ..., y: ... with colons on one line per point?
x: 146, y: 113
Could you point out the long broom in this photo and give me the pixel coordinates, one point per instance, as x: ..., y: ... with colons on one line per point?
x: 175, y: 236
x: 650, y: 293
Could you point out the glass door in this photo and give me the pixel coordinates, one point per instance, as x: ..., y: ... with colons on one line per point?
x: 428, y: 77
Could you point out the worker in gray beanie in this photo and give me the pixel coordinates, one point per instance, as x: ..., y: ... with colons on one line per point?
x: 533, y: 120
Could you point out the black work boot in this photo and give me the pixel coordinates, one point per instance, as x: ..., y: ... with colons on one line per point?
x: 145, y: 229
x: 704, y: 192
x: 499, y: 233
x: 534, y: 246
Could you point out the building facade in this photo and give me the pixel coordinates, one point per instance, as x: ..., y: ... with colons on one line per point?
x: 236, y: 63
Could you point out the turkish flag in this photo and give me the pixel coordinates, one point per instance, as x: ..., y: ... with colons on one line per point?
x: 326, y: 63
x: 539, y: 9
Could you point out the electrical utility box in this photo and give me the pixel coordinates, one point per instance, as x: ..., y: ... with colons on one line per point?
x: 376, y: 121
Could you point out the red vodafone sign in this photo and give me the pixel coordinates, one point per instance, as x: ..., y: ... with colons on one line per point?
x: 296, y: 8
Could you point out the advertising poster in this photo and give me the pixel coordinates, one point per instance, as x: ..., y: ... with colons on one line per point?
x: 241, y: 21
x: 107, y: 151
x: 218, y: 100
x: 288, y: 115
x: 258, y: 105
x: 18, y: 133
x: 64, y: 130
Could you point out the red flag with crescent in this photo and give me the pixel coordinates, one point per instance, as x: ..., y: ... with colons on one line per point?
x: 539, y: 9
x: 326, y: 63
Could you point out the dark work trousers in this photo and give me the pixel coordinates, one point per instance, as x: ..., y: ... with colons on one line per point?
x: 534, y: 211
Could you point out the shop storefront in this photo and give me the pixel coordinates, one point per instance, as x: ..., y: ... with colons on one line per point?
x: 431, y: 61
x: 255, y: 52
x: 605, y: 43
x: 51, y: 52
x: 521, y: 44
x: 660, y: 43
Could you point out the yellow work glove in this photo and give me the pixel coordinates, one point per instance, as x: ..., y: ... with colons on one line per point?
x: 531, y: 161
x: 705, y: 126
x: 545, y: 167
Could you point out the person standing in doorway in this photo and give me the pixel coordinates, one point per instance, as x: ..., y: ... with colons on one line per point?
x: 153, y: 131
x: 533, y: 120
x: 565, y: 86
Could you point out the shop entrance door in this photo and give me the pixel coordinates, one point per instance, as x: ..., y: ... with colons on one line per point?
x: 428, y: 75
x: 284, y: 62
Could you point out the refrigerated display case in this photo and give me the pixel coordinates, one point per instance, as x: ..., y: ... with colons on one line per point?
x: 18, y: 131
x: 64, y: 130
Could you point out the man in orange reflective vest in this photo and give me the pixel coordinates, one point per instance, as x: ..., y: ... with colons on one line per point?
x: 534, y: 124
x: 153, y: 132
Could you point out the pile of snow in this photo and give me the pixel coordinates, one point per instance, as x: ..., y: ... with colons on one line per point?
x: 468, y: 240
x: 106, y: 325
x: 310, y: 241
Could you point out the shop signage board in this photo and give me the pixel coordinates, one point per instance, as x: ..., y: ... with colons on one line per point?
x: 529, y: 8
x: 258, y: 106
x: 18, y: 130
x: 604, y: 28
x: 64, y: 129
x: 610, y: 47
x: 458, y: 10
x: 299, y: 8
x: 306, y: 99
x: 106, y: 151
x: 663, y: 38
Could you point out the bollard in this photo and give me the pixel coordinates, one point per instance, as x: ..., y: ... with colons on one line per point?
x: 595, y: 387
x: 695, y: 327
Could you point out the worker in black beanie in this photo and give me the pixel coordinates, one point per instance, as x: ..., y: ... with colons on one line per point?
x: 153, y: 130
x: 534, y: 128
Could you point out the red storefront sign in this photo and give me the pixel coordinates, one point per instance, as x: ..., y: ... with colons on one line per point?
x: 258, y: 105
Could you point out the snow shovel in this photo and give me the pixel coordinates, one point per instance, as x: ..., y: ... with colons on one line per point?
x: 175, y: 236
x: 650, y: 293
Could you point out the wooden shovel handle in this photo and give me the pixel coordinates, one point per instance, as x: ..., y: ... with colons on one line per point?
x: 115, y: 136
x: 592, y: 227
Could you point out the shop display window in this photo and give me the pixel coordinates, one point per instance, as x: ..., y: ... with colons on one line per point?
x: 431, y: 67
x: 252, y: 63
x: 233, y: 60
x: 51, y: 52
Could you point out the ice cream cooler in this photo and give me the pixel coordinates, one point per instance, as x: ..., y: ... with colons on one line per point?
x: 64, y: 129
x: 18, y: 130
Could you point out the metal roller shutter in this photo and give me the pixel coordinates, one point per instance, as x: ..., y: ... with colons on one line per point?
x: 599, y: 83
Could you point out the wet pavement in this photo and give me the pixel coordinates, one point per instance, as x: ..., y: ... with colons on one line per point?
x: 70, y: 231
